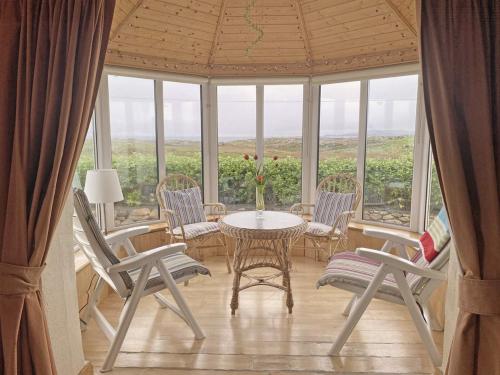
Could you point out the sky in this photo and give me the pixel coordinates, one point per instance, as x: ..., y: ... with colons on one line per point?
x: 391, y: 110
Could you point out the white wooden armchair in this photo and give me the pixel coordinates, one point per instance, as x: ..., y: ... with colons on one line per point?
x: 337, y: 198
x: 133, y: 277
x: 180, y: 201
x: 378, y: 274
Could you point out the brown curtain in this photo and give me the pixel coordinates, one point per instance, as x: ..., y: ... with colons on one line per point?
x: 52, y: 54
x: 460, y: 49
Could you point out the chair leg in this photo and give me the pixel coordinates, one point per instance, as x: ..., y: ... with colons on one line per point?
x: 179, y: 299
x: 358, y: 311
x: 87, y: 313
x: 418, y: 319
x: 126, y: 318
x: 350, y: 305
x: 431, y: 320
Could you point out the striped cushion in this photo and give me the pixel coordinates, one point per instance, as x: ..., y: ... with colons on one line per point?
x: 187, y: 204
x: 197, y: 229
x: 329, y: 205
x: 350, y: 271
x: 179, y: 265
x: 436, y: 237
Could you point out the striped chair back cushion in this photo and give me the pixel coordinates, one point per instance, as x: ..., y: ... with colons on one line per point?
x: 329, y: 205
x: 187, y: 204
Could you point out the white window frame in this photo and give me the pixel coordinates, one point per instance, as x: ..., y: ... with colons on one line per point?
x: 310, y: 131
x: 259, y: 84
x: 420, y: 156
x: 104, y: 133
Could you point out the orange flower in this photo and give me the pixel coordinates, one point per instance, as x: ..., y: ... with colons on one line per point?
x: 246, y: 157
x: 255, y: 157
x: 260, y: 179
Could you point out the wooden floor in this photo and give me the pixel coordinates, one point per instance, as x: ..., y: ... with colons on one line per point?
x: 262, y: 338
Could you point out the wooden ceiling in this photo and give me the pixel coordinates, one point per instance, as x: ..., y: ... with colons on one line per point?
x: 299, y: 37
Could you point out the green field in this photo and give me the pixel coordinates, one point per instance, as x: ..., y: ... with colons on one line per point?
x: 388, y: 174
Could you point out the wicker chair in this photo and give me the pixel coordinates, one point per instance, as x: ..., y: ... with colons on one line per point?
x: 195, y: 234
x: 331, y: 224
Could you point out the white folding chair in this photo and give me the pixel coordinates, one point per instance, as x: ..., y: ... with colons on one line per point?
x: 378, y: 274
x: 133, y: 277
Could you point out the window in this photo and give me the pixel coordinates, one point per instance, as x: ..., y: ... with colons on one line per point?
x: 390, y: 132
x: 87, y: 159
x: 434, y: 197
x: 338, y: 129
x: 182, y: 129
x: 283, y: 106
x: 133, y: 147
x: 236, y: 106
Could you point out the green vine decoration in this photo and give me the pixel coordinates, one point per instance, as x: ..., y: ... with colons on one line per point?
x: 253, y: 25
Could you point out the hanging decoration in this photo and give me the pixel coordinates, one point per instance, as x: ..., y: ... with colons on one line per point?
x: 253, y: 25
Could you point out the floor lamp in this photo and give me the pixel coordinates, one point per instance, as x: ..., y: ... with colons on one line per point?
x: 103, y: 186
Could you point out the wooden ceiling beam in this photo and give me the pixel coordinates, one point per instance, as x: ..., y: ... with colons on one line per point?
x: 401, y: 16
x: 218, y: 29
x: 125, y: 20
x: 307, y: 44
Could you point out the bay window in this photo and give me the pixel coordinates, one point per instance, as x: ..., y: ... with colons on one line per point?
x: 366, y: 125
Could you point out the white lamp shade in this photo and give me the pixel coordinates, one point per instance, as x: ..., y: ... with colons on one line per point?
x: 103, y: 186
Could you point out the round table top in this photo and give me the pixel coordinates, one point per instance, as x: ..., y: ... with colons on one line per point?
x: 271, y: 225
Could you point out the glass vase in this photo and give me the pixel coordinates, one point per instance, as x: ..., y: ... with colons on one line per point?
x: 259, y: 199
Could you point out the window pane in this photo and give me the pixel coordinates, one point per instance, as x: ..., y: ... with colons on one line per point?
x: 435, y: 199
x: 389, y: 149
x: 283, y: 138
x: 133, y: 147
x: 87, y: 157
x: 236, y: 132
x: 338, y: 130
x: 182, y: 124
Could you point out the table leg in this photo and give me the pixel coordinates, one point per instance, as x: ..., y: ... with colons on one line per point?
x: 237, y: 276
x: 286, y: 274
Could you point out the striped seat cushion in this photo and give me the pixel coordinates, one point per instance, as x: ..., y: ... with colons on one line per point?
x: 329, y: 205
x: 180, y: 267
x: 319, y: 229
x: 187, y: 204
x: 350, y: 271
x: 435, y: 238
x: 197, y: 229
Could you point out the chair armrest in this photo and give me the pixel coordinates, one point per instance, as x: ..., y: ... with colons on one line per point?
x: 402, y: 240
x: 298, y: 208
x: 149, y: 256
x: 121, y: 235
x: 220, y: 207
x: 401, y: 264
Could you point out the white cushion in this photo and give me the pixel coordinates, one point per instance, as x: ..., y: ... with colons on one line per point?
x: 318, y: 229
x: 197, y: 229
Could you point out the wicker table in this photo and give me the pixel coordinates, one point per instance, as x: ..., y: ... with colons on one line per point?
x: 262, y: 241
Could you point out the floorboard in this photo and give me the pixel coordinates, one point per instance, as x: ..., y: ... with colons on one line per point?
x: 262, y: 338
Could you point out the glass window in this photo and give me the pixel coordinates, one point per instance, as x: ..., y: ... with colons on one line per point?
x: 133, y: 147
x: 283, y: 107
x: 236, y: 107
x: 389, y: 149
x: 434, y: 199
x: 87, y: 159
x: 338, y: 129
x: 182, y: 128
